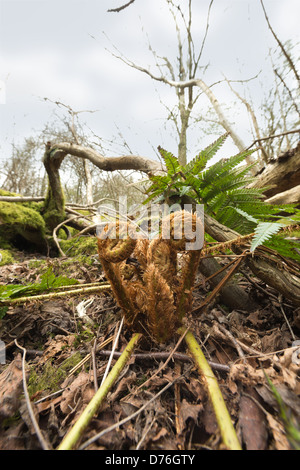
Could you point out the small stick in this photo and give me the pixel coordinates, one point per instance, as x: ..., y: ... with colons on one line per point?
x: 27, y: 398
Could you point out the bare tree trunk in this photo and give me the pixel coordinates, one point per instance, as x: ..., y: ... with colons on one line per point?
x: 54, y: 208
x: 89, y: 183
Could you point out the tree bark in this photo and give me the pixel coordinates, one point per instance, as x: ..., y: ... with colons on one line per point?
x: 281, y: 174
x: 291, y: 196
x: 54, y: 208
x: 89, y: 183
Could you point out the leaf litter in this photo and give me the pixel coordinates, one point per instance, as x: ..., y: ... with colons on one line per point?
x: 64, y: 366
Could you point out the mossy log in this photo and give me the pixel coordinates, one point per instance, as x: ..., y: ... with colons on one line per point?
x: 20, y: 224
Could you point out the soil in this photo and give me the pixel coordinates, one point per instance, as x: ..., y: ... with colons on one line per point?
x: 242, y: 348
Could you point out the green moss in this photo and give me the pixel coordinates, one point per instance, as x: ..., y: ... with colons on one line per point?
x: 17, y: 219
x: 54, y: 212
x: 52, y: 376
x: 6, y: 257
x: 7, y: 193
x: 81, y: 246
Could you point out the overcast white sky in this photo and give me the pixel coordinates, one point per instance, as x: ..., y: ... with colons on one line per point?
x: 57, y: 49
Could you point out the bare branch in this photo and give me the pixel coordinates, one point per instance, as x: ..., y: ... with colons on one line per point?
x: 288, y: 90
x: 253, y: 118
x: 127, y: 162
x: 284, y: 51
x: 117, y: 10
x: 272, y: 137
x: 196, y: 62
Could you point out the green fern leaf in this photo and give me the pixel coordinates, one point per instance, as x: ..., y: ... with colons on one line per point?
x: 170, y: 161
x: 263, y: 232
x: 196, y: 165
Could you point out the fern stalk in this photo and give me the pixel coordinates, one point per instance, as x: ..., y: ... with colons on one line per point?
x: 81, y: 424
x: 222, y: 415
x: 56, y: 295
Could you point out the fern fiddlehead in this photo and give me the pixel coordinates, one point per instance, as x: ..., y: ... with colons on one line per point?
x: 157, y: 298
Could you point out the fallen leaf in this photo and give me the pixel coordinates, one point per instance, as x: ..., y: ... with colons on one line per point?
x: 188, y: 411
x: 280, y: 440
x: 11, y: 388
x: 253, y: 423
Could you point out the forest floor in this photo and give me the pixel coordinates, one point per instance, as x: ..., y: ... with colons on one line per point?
x: 242, y: 347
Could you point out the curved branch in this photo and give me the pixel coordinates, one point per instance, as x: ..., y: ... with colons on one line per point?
x: 127, y: 162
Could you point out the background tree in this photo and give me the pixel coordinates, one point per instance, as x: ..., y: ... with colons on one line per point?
x: 183, y: 76
x: 22, y: 171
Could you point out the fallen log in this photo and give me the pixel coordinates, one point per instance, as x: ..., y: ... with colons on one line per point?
x: 281, y: 174
x: 290, y: 196
x: 268, y: 270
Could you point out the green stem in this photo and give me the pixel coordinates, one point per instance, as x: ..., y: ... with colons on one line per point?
x: 77, y: 430
x: 73, y: 291
x: 222, y: 415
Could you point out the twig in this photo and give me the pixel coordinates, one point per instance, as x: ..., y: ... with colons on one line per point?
x: 27, y: 398
x: 117, y: 10
x: 213, y: 294
x: 134, y: 392
x: 177, y: 404
x: 287, y: 56
x: 233, y: 340
x: 112, y: 352
x: 93, y: 355
x: 77, y: 430
x: 285, y: 317
x: 272, y: 137
x: 88, y: 356
x: 59, y: 226
x: 164, y: 355
x: 145, y: 434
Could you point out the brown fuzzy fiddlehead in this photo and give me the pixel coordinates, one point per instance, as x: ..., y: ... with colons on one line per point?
x: 148, y: 285
x: 115, y: 243
x: 111, y: 252
x: 160, y: 304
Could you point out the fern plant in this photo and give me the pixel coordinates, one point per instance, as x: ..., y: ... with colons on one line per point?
x: 223, y: 190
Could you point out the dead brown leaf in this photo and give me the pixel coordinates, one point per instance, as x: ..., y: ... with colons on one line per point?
x: 253, y: 423
x: 55, y: 345
x: 80, y: 389
x: 188, y: 411
x: 280, y: 440
x: 11, y: 388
